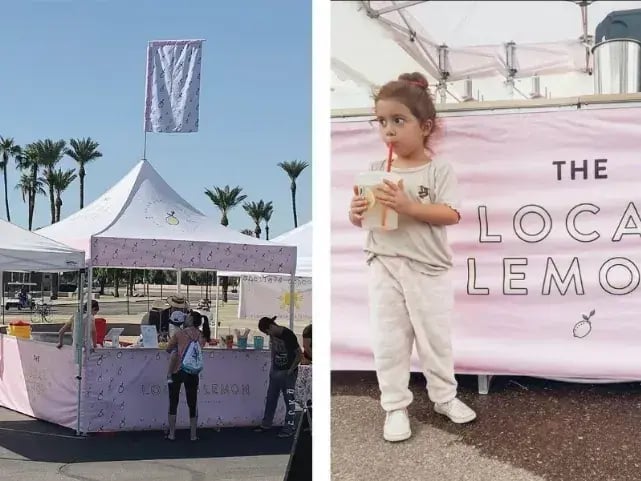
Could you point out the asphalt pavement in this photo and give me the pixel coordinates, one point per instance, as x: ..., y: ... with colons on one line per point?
x: 32, y: 450
x: 527, y: 430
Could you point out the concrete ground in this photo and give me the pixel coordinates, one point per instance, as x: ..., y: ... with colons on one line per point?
x: 527, y: 430
x: 33, y: 450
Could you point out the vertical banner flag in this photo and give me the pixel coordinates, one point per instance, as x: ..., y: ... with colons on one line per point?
x: 173, y: 86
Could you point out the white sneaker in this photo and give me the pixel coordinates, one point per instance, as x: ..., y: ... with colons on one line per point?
x: 397, y: 426
x: 456, y: 410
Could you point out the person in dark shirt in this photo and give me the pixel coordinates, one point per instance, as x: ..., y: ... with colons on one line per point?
x: 307, y: 345
x: 286, y: 356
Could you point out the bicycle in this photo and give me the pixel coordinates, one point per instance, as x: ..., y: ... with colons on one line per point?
x: 43, y: 310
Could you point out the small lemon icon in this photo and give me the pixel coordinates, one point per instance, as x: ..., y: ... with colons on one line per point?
x: 172, y: 219
x: 584, y: 327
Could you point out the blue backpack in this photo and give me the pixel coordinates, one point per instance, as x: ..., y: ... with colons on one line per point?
x: 192, y: 361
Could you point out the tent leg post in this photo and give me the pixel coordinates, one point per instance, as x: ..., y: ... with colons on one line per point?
x: 216, y: 315
x: 292, y: 299
x: 484, y: 383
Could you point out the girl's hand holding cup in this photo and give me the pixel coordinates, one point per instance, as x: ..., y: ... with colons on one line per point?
x: 393, y: 196
x: 357, y: 207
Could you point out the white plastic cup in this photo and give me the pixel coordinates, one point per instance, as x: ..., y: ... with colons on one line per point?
x: 377, y: 216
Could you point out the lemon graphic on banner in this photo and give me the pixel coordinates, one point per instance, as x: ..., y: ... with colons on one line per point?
x: 286, y: 299
x: 172, y: 219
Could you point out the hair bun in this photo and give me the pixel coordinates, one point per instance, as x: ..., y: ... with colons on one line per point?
x: 415, y: 78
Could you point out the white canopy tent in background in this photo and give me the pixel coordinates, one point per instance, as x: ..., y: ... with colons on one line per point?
x: 27, y: 251
x: 269, y: 295
x: 141, y: 222
x: 22, y: 250
x: 374, y: 42
x: 302, y: 238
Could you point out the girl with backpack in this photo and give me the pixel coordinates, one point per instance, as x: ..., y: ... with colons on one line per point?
x: 189, y: 343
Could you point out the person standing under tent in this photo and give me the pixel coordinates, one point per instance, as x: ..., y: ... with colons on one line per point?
x: 188, y: 343
x: 307, y: 345
x: 286, y: 356
x: 68, y: 326
x: 411, y: 295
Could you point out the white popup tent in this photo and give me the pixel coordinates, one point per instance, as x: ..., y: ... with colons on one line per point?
x: 22, y: 250
x: 141, y: 222
x: 302, y: 238
x: 26, y: 251
x: 268, y: 295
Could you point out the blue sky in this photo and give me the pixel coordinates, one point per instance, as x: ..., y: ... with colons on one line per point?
x: 77, y: 68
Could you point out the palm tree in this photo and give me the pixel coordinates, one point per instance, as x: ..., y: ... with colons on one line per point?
x: 8, y: 149
x: 255, y: 210
x: 267, y: 217
x: 29, y: 190
x: 49, y: 154
x: 293, y: 170
x: 61, y: 181
x: 225, y: 199
x: 83, y: 151
x: 29, y: 162
x: 248, y: 232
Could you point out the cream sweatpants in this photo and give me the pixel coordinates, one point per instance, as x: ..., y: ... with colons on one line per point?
x: 408, y: 307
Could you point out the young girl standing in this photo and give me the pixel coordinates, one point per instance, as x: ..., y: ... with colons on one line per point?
x: 411, y: 294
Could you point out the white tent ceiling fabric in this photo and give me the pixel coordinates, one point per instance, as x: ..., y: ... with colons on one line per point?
x: 26, y: 251
x: 141, y: 222
x: 547, y: 35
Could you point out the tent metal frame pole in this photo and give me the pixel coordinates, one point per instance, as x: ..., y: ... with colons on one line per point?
x: 2, y: 294
x: 179, y: 275
x: 292, y: 298
x: 422, y: 57
x: 601, y: 101
x: 81, y: 344
x: 216, y: 312
x: 372, y: 12
x: 81, y: 295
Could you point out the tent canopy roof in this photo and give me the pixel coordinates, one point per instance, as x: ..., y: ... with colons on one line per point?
x: 302, y: 238
x: 142, y: 222
x: 22, y: 250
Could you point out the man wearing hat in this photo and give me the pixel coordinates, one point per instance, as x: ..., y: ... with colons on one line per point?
x: 178, y: 307
x: 167, y: 319
x: 286, y: 356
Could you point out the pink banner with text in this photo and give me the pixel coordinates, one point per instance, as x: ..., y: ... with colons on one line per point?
x: 547, y: 255
x: 126, y: 390
x: 38, y: 380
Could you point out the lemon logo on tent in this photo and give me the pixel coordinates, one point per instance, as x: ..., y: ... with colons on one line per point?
x: 172, y: 219
x: 286, y: 299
